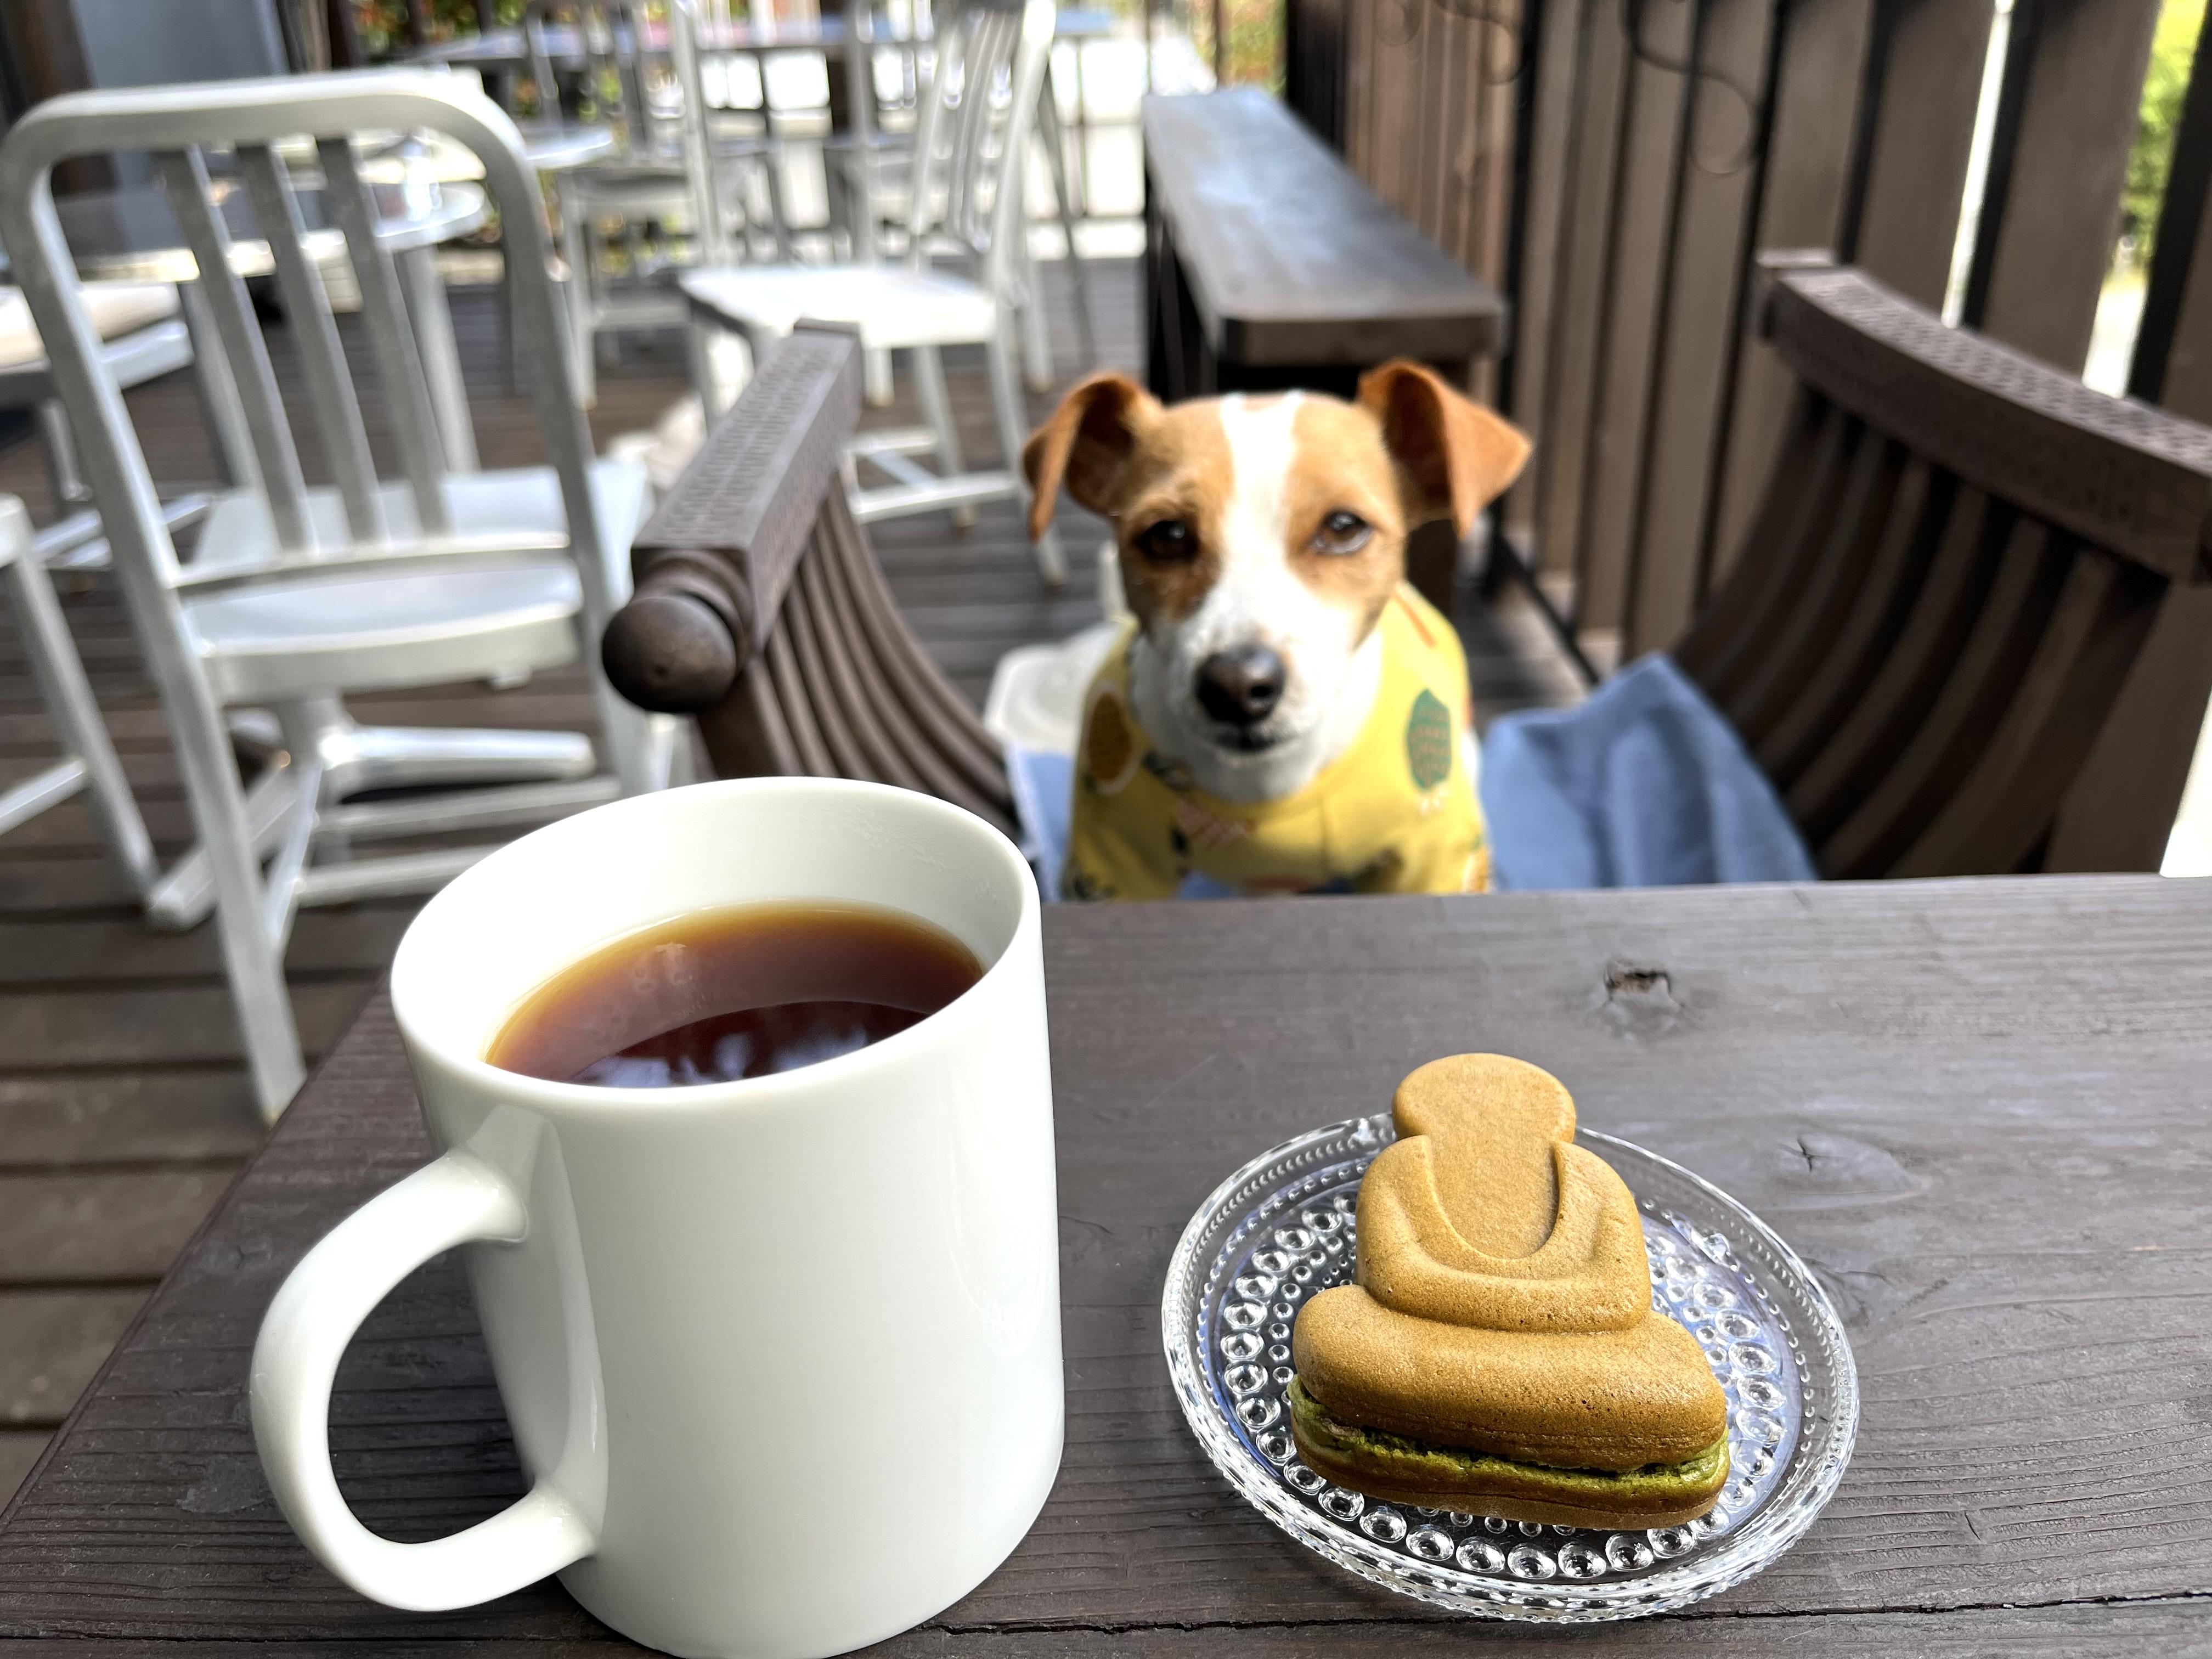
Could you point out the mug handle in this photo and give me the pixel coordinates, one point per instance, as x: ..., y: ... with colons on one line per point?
x: 455, y: 1200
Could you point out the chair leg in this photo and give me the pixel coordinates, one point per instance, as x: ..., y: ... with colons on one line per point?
x: 254, y: 959
x: 69, y: 704
x: 876, y: 376
x: 1006, y: 404
x: 576, y: 253
x: 1036, y: 343
x: 937, y: 414
x: 779, y: 220
x: 69, y: 487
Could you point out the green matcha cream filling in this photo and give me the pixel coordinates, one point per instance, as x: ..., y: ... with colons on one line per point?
x: 1417, y: 1464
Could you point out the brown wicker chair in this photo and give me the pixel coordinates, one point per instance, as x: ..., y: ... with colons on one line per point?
x: 1935, y: 640
x: 760, y: 607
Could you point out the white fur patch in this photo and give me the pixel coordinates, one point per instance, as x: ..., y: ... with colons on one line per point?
x: 1258, y: 599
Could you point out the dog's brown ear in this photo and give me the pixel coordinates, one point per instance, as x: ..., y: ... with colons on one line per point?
x: 1456, y: 455
x: 1085, y: 443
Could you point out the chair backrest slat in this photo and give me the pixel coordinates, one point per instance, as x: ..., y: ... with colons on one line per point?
x: 1797, y: 641
x: 183, y: 178
x: 1862, y: 641
x: 1730, y: 629
x: 1997, y: 815
x: 780, y: 657
x: 1884, y: 719
x: 391, y: 335
x: 973, y: 135
x: 1956, y: 723
x: 322, y: 357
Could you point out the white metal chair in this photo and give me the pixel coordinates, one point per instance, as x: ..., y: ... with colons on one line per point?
x: 678, y: 166
x: 966, y: 195
x: 296, y: 595
x: 871, y: 169
x: 88, y: 762
x: 142, y: 338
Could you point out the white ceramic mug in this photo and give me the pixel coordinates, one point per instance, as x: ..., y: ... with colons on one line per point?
x: 781, y: 1355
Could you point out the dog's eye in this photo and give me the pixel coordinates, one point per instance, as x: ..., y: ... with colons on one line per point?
x: 1342, y: 532
x: 1170, y: 541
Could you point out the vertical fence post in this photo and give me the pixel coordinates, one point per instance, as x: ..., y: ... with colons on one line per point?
x: 2048, y: 231
x: 2172, y: 366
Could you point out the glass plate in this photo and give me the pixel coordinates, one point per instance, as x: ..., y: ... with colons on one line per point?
x: 1281, y: 1229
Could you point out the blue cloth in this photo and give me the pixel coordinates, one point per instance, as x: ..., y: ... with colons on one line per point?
x: 1043, y: 786
x: 1645, y: 785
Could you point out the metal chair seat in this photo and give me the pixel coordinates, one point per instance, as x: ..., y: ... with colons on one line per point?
x: 365, y: 627
x: 894, y: 308
x: 354, y: 633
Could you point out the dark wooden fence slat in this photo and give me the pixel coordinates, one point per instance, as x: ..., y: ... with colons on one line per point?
x: 1921, y: 132
x: 1571, y: 399
x: 2061, y: 206
x: 1815, y: 99
x: 1701, y: 327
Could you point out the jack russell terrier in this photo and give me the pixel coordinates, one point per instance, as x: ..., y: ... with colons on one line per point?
x: 1285, y: 714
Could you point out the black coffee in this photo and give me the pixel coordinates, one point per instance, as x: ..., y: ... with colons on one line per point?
x: 736, y: 993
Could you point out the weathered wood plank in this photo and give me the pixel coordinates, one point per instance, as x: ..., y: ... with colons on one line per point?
x: 1974, y: 1107
x: 86, y: 1118
x: 356, y: 940
x: 19, y: 1449
x: 1293, y: 260
x: 51, y: 1344
x: 2173, y: 1626
x: 77, y: 1228
x: 188, y: 1025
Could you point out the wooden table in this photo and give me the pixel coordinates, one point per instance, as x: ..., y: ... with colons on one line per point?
x: 1268, y: 265
x: 1977, y: 1108
x: 1271, y: 265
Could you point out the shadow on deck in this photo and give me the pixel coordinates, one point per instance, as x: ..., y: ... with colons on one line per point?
x: 124, y: 1105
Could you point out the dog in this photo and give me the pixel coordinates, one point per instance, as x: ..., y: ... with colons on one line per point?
x: 1285, y: 714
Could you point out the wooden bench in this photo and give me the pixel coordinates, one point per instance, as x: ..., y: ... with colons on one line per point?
x: 1269, y: 264
x: 1938, y: 639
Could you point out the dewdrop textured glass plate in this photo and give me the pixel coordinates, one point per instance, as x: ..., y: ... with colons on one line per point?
x: 1280, y: 1230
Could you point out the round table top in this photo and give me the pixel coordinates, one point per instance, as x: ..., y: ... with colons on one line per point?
x: 548, y: 146
x: 132, y: 234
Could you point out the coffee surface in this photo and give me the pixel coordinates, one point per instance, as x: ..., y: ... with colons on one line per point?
x: 735, y: 992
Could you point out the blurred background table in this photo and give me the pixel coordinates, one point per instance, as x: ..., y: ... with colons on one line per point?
x: 131, y: 235
x: 1975, y: 1108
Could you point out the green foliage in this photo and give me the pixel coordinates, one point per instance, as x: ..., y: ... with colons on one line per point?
x: 382, y: 24
x: 1256, y: 39
x: 2174, y: 49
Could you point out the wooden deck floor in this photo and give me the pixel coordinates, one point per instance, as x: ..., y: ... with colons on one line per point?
x: 124, y: 1107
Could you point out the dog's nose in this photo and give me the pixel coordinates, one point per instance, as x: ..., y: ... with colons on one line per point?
x: 1241, y: 687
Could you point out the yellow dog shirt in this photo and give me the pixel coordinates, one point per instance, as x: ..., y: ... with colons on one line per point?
x: 1395, y: 813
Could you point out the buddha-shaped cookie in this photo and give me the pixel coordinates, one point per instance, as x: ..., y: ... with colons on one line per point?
x: 1499, y: 1353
